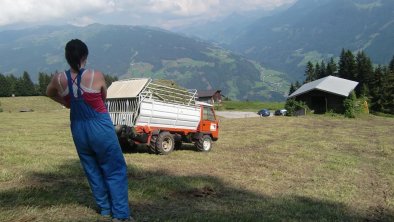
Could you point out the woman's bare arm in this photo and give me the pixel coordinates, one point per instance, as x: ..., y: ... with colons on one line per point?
x: 53, y: 91
x: 103, y: 86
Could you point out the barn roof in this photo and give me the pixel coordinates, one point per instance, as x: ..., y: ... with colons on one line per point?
x: 207, y: 93
x: 330, y: 84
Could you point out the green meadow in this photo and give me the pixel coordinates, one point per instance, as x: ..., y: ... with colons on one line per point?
x: 310, y: 168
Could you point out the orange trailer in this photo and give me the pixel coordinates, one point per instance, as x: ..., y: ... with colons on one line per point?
x: 160, y: 116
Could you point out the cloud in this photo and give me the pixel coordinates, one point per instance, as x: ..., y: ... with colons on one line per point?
x: 82, y: 21
x: 183, y: 7
x: 133, y: 12
x: 27, y: 11
x: 206, y: 7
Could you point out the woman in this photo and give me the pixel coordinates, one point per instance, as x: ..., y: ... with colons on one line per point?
x: 84, y: 92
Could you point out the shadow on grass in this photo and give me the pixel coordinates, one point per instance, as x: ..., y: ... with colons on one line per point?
x: 160, y: 196
x: 145, y: 149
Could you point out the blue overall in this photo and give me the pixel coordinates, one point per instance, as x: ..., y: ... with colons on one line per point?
x: 100, y: 154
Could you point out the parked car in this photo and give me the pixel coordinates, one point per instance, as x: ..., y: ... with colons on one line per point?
x: 280, y: 112
x: 264, y: 112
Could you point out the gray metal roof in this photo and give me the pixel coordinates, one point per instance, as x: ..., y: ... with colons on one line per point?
x: 330, y: 84
x: 126, y: 88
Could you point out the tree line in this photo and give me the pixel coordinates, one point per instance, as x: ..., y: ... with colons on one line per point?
x: 376, y: 82
x: 24, y: 86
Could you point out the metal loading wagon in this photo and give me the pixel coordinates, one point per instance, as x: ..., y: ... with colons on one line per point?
x: 160, y: 116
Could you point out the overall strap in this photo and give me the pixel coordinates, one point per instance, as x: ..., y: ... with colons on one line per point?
x: 92, y: 78
x: 71, y: 81
x: 70, y: 84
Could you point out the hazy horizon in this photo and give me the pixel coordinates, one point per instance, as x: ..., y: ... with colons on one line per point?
x: 16, y: 14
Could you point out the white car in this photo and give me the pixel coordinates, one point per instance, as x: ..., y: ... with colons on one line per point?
x: 280, y: 112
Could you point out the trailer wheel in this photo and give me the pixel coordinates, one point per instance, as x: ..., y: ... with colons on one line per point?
x: 152, y: 145
x: 165, y: 143
x: 204, y: 144
x: 127, y: 147
x: 178, y: 145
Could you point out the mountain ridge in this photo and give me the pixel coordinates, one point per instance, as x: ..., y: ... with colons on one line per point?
x: 135, y: 51
x: 255, y: 61
x: 320, y: 27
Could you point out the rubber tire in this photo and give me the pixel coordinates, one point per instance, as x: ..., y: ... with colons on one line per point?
x: 165, y: 143
x: 128, y: 148
x: 152, y: 145
x: 178, y: 145
x: 204, y: 140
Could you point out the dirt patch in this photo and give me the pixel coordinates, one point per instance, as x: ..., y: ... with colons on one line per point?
x: 206, y: 191
x: 236, y: 114
x: 25, y: 109
x: 203, y: 192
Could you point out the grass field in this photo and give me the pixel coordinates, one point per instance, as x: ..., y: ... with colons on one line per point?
x: 312, y: 168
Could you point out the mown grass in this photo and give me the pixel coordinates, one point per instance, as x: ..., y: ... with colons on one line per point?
x: 312, y: 168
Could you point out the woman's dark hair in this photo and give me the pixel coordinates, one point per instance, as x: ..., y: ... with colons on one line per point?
x: 76, y: 51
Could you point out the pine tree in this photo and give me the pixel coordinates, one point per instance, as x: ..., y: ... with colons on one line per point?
x: 5, y: 87
x: 391, y: 65
x: 347, y: 65
x: 364, y: 91
x: 11, y: 80
x: 364, y: 71
x: 390, y: 88
x: 323, y: 69
x: 388, y: 91
x: 20, y: 89
x: 309, y: 72
x: 292, y: 89
x: 317, y: 72
x: 331, y: 69
x: 28, y: 83
x: 297, y: 85
x: 376, y: 90
x: 24, y: 86
x: 43, y: 81
x: 342, y: 64
x: 109, y: 79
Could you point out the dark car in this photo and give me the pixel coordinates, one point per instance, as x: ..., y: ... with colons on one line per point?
x: 280, y: 112
x: 264, y: 112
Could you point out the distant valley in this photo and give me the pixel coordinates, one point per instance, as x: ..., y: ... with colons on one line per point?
x: 253, y: 57
x: 309, y: 30
x: 130, y: 52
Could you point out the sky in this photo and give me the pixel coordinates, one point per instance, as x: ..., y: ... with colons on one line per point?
x: 165, y: 14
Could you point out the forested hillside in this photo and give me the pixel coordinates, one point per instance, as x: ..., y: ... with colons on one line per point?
x: 375, y: 83
x: 318, y: 29
x: 270, y: 53
x: 129, y: 51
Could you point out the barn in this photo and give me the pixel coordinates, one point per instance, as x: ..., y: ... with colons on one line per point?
x: 209, y: 96
x: 325, y: 94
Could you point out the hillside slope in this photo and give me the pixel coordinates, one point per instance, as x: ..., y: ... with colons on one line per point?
x: 129, y: 51
x: 318, y: 29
